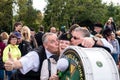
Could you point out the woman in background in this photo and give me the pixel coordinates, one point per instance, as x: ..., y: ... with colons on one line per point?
x: 11, y: 50
x: 5, y: 37
x: 25, y: 46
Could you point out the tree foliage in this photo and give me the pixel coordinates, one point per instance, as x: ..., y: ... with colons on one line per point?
x: 57, y: 13
x: 28, y: 15
x: 5, y: 15
x: 83, y: 12
x: 24, y: 13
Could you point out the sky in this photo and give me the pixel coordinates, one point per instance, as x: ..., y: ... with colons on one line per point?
x: 40, y: 4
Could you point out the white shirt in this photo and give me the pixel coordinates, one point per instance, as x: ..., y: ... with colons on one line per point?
x: 44, y: 69
x: 107, y: 44
x: 31, y: 61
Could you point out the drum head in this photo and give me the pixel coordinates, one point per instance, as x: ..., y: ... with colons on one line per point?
x: 89, y: 64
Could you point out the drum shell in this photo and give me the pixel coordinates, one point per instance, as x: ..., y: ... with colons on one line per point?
x: 97, y: 63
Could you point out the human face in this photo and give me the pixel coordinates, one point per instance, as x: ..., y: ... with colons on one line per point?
x: 97, y: 29
x: 77, y: 38
x: 13, y: 41
x: 112, y: 36
x: 53, y: 30
x: 20, y: 27
x: 51, y: 44
x: 19, y: 40
x: 63, y: 44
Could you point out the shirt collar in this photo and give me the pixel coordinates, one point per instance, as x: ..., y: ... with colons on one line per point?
x: 48, y: 53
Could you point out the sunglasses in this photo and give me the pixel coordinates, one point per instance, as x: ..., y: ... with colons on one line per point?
x: 75, y: 37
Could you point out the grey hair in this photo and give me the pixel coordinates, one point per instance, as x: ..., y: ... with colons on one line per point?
x: 85, y: 31
x: 44, y: 37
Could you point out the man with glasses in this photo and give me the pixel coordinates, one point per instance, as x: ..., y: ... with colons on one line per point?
x: 81, y: 37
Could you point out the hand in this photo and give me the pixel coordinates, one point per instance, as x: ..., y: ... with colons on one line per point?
x: 88, y: 42
x: 54, y: 77
x: 9, y: 63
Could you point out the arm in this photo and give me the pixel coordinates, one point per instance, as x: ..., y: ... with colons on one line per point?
x: 89, y: 42
x: 107, y: 44
x: 5, y: 54
x: 25, y: 63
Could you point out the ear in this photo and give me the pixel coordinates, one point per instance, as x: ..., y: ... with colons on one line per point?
x: 45, y: 45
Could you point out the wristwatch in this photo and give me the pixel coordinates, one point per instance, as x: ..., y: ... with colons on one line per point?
x: 95, y: 39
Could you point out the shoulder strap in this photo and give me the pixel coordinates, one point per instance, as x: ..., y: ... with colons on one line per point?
x: 49, y: 67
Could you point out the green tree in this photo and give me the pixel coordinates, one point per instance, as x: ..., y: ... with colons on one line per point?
x: 67, y: 12
x: 6, y: 15
x: 27, y: 14
x: 114, y: 11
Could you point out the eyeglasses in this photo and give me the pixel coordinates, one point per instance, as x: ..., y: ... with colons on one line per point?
x: 13, y: 38
x: 75, y: 37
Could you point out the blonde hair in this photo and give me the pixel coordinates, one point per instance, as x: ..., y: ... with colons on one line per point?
x: 4, y: 35
x: 26, y: 35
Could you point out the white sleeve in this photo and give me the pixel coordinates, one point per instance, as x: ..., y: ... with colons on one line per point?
x: 44, y: 71
x: 29, y: 62
x: 107, y: 44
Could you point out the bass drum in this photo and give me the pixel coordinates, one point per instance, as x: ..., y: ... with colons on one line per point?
x: 89, y: 64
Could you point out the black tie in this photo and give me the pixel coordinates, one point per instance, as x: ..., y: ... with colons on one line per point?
x: 55, y: 57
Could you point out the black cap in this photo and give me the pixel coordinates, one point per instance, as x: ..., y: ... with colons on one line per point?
x: 65, y: 36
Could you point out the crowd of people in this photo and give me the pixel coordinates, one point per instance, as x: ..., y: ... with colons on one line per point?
x: 26, y: 55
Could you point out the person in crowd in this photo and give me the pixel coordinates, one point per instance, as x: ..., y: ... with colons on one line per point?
x: 110, y: 37
x: 33, y: 40
x: 18, y: 35
x: 73, y: 27
x: 35, y: 58
x: 32, y: 31
x: 113, y: 23
x: 13, y: 50
x: 81, y: 35
x: 25, y: 44
x: 118, y: 38
x: 2, y: 46
x: 110, y: 24
x: 97, y: 29
x: 53, y: 30
x: 5, y: 37
x: 49, y: 65
x: 39, y: 35
x: 64, y: 41
x: 61, y: 30
x: 116, y: 47
x: 17, y: 27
